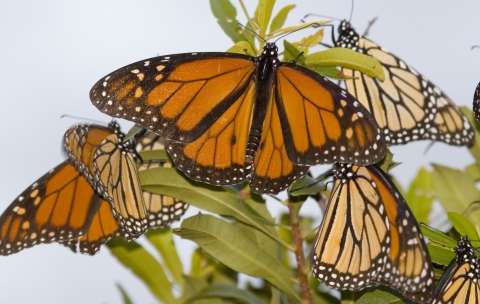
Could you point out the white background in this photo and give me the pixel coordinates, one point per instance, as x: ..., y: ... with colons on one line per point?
x: 52, y: 52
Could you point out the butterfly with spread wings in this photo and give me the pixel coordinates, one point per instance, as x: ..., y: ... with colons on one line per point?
x: 461, y: 281
x: 406, y: 105
x: 369, y: 236
x: 63, y: 206
x: 226, y: 116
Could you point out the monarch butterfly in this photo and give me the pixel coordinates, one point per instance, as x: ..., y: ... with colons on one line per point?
x: 476, y: 103
x: 62, y: 206
x: 461, y: 281
x: 369, y: 236
x: 227, y: 116
x: 406, y: 105
x: 112, y: 171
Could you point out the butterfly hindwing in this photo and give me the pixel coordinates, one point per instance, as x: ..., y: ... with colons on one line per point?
x: 162, y: 209
x: 405, y: 105
x: 408, y: 266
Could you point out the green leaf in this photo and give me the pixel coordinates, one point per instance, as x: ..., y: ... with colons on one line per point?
x: 463, y: 226
x: 387, y: 163
x: 348, y: 59
x: 330, y: 72
x: 307, y: 185
x: 438, y: 237
x: 125, y: 297
x: 264, y: 13
x: 312, y: 40
x: 440, y: 255
x: 226, y: 291
x: 219, y: 200
x: 381, y: 295
x: 133, y: 130
x: 147, y: 155
x: 474, y: 171
x: 144, y: 266
x: 162, y: 240
x: 420, y: 195
x: 231, y: 247
x: 226, y: 15
x: 194, y: 286
x: 279, y: 20
x: 292, y: 53
x: 242, y: 47
x: 454, y: 189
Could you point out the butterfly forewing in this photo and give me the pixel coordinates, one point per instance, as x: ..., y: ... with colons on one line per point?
x: 405, y: 105
x: 178, y: 96
x: 322, y: 123
x: 59, y: 206
x: 353, y: 240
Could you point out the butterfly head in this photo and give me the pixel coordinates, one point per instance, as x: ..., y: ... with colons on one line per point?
x: 343, y: 172
x: 270, y: 51
x: 347, y: 36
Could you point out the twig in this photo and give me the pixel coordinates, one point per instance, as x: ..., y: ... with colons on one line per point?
x: 298, y: 241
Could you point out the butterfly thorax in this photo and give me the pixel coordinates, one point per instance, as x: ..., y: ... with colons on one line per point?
x: 343, y: 172
x: 265, y: 78
x: 347, y: 38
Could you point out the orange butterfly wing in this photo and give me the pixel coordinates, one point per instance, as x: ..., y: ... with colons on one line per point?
x: 59, y: 206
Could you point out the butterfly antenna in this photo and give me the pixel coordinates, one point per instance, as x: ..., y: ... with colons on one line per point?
x: 82, y: 118
x: 351, y: 12
x: 310, y: 25
x: 475, y: 46
x: 321, y: 16
x: 251, y: 31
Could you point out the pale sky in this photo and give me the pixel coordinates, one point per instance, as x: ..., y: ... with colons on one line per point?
x: 52, y: 52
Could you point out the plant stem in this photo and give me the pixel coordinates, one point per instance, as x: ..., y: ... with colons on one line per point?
x: 298, y: 241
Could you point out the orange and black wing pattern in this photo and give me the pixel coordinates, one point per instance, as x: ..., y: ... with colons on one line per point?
x: 369, y: 236
x: 228, y: 116
x: 461, y: 281
x: 58, y: 207
x: 162, y: 209
x: 476, y: 103
x: 406, y: 105
x: 102, y: 228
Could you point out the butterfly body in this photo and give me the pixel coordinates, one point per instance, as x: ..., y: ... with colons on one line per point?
x: 460, y: 282
x: 406, y: 105
x: 226, y: 116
